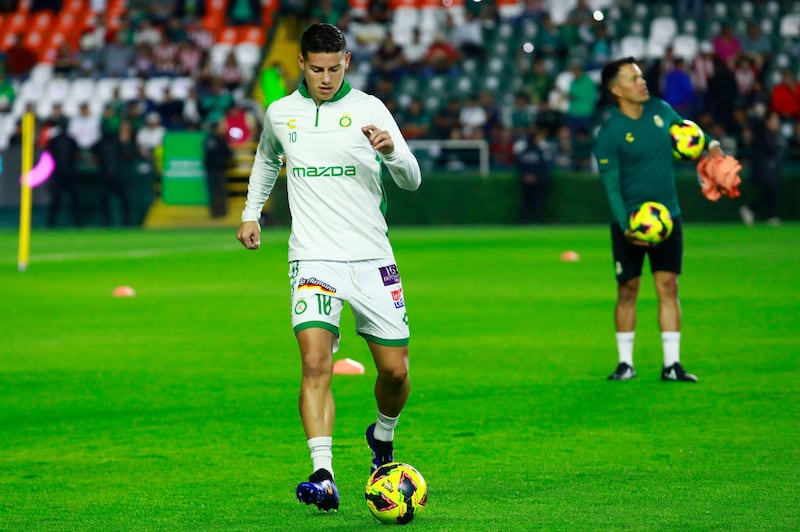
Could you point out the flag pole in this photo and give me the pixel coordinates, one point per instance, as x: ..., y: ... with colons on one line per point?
x: 25, y: 193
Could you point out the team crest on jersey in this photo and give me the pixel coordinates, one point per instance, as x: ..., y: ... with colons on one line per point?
x: 300, y: 307
x: 291, y: 124
x: 658, y: 121
x: 345, y: 121
x: 629, y: 136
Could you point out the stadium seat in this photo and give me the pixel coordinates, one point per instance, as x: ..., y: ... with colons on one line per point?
x: 633, y: 46
x: 57, y: 89
x: 82, y: 88
x: 404, y: 20
x: 685, y: 46
x: 790, y: 26
x: 248, y: 55
x: 662, y: 30
x: 104, y: 88
x: 129, y: 88
x: 218, y: 53
x: 180, y: 87
x: 154, y: 88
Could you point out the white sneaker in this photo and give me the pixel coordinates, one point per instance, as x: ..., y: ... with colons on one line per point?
x: 747, y: 215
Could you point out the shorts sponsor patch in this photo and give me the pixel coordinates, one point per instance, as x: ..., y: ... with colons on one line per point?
x: 397, y: 298
x: 389, y: 275
x: 313, y: 282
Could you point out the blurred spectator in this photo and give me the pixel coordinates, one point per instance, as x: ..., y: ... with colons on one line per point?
x: 441, y: 57
x: 175, y: 31
x: 66, y: 61
x: 563, y: 157
x: 143, y: 61
x: 533, y: 162
x: 7, y: 93
x: 144, y: 104
x: 415, y: 121
x: 325, y: 11
x: 722, y: 86
x: 214, y: 104
x: 521, y: 114
x: 64, y: 179
x: 549, y: 41
x: 240, y: 124
x: 357, y: 50
x: 467, y: 37
x: 472, y: 117
x: 164, y: 54
x: 538, y: 82
x: 189, y: 58
x: 415, y: 51
x: 582, y: 98
x: 501, y: 147
x: 115, y: 152
x: 601, y: 47
x: 170, y: 110
x: 757, y: 46
x: 242, y: 12
x: 678, y: 90
x: 117, y: 57
x: 191, y: 108
x: 109, y: 119
x: 368, y: 33
x: 727, y: 45
x: 701, y: 71
x: 532, y: 11
x: 89, y: 55
x: 656, y: 73
x: 146, y: 33
x: 493, y: 114
x: 84, y: 127
x: 231, y: 73
x: 273, y: 83
x: 191, y: 9
x: 388, y: 62
x: 689, y: 9
x: 445, y: 121
x: 746, y: 75
x: 785, y: 98
x: 150, y: 136
x: 548, y: 119
x: 768, y: 153
x: 217, y: 155
x: 19, y: 58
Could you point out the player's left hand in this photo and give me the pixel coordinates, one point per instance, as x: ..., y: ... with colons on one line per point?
x: 380, y: 139
x: 631, y: 237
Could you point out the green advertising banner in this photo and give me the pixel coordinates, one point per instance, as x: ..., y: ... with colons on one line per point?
x: 183, y: 180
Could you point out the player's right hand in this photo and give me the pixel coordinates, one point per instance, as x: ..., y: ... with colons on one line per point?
x: 249, y: 234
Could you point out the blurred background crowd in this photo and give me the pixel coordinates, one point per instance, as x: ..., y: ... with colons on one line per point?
x: 115, y: 75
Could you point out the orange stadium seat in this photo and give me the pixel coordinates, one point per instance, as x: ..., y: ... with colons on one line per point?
x: 252, y: 34
x: 228, y: 35
x: 41, y: 21
x: 394, y: 4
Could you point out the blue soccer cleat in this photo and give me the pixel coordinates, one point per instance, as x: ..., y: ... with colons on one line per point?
x: 319, y: 490
x: 382, y: 451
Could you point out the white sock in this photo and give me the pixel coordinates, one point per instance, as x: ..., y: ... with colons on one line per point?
x: 321, y: 453
x: 384, y: 428
x: 671, y: 341
x: 625, y: 347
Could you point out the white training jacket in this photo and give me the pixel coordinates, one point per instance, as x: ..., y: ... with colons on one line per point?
x: 336, y: 196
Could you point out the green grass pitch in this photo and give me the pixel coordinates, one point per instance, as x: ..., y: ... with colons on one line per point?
x: 177, y: 409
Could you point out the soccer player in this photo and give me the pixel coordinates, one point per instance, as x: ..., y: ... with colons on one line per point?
x: 634, y: 155
x: 334, y: 138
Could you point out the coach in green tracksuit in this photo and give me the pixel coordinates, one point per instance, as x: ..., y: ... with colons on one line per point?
x: 634, y: 155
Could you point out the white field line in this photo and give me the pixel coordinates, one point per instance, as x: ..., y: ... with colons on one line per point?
x: 130, y: 253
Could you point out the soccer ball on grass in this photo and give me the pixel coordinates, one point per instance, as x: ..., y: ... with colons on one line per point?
x: 688, y: 140
x: 651, y: 223
x: 395, y: 493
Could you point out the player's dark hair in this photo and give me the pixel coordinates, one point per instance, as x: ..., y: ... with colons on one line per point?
x: 322, y: 38
x: 609, y: 76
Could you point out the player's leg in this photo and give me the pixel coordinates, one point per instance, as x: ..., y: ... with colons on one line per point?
x: 379, y: 307
x: 315, y: 318
x: 317, y: 414
x: 666, y: 262
x: 391, y: 393
x: 628, y: 260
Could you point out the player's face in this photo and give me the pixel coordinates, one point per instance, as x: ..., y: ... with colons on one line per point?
x: 324, y: 73
x: 631, y: 86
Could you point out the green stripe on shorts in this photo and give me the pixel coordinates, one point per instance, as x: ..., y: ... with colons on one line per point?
x: 402, y: 342
x: 321, y: 324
